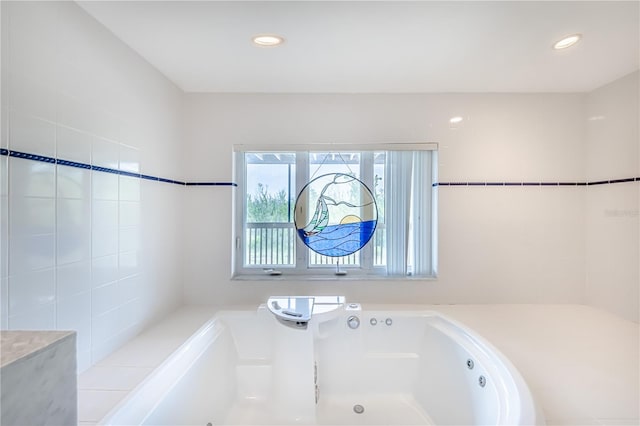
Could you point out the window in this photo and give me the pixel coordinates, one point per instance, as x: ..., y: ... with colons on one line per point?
x: 400, y: 177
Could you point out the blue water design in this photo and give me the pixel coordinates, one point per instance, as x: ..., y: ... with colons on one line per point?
x: 340, y: 240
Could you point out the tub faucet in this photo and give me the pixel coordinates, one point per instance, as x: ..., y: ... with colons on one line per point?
x: 297, y: 312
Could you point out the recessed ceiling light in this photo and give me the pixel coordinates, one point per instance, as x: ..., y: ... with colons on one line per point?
x: 267, y: 40
x: 567, y: 41
x: 455, y: 120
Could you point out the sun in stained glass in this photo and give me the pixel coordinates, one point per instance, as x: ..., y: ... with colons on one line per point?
x: 335, y: 214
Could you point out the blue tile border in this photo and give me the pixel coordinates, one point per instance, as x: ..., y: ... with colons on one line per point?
x: 52, y: 160
x: 62, y: 162
x: 599, y: 182
x: 211, y: 184
x: 34, y: 157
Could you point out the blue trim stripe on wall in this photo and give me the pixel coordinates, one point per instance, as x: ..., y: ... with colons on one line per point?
x: 52, y: 160
x: 599, y: 182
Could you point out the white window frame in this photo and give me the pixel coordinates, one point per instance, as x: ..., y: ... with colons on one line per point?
x: 301, y: 270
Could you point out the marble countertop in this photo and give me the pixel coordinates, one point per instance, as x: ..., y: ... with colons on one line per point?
x: 15, y: 345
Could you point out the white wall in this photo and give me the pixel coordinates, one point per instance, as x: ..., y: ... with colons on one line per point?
x: 85, y: 250
x: 612, y: 220
x: 103, y: 254
x: 497, y: 244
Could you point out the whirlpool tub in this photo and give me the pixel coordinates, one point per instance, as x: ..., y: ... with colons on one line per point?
x: 349, y: 366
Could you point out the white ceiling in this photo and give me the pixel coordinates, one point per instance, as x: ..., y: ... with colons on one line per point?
x: 379, y: 46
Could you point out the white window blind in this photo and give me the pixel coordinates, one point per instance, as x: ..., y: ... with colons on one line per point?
x: 409, y: 192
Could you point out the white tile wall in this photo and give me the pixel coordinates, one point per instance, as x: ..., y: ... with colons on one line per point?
x: 71, y: 238
x: 32, y: 215
x: 73, y: 217
x: 31, y: 290
x: 129, y: 188
x: 73, y: 246
x: 518, y: 245
x: 129, y: 159
x: 129, y: 213
x: 103, y: 253
x: 31, y: 134
x: 130, y: 239
x: 30, y: 253
x: 106, y: 325
x: 73, y: 278
x: 104, y: 270
x: 73, y: 145
x: 32, y: 98
x: 74, y: 313
x: 41, y: 317
x: 31, y: 179
x: 129, y: 264
x: 4, y: 80
x: 500, y: 245
x: 105, y: 153
x: 612, y: 146
x: 105, y: 186
x: 105, y: 214
x: 106, y: 298
x: 4, y: 121
x: 4, y: 188
x: 105, y: 346
x: 4, y: 224
x: 613, y: 211
x: 4, y: 303
x: 73, y: 214
x: 32, y: 35
x: 73, y: 182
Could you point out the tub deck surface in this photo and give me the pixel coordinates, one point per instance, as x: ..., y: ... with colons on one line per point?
x: 582, y: 364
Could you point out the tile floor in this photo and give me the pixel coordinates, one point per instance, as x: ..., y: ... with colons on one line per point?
x: 104, y: 385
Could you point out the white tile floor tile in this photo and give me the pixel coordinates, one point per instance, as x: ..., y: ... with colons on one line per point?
x: 573, y: 422
x: 619, y: 422
x: 102, y: 386
x: 112, y: 378
x: 93, y: 405
x: 143, y: 352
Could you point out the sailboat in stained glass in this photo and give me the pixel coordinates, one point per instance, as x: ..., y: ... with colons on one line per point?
x: 335, y: 214
x: 319, y: 221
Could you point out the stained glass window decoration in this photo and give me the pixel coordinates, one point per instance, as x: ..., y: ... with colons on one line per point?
x: 335, y: 214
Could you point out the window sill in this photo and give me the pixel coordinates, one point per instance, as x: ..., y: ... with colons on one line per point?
x: 326, y: 277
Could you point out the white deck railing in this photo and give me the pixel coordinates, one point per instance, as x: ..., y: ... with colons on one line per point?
x: 274, y: 244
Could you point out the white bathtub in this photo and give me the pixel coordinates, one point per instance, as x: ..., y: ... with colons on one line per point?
x: 400, y: 367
